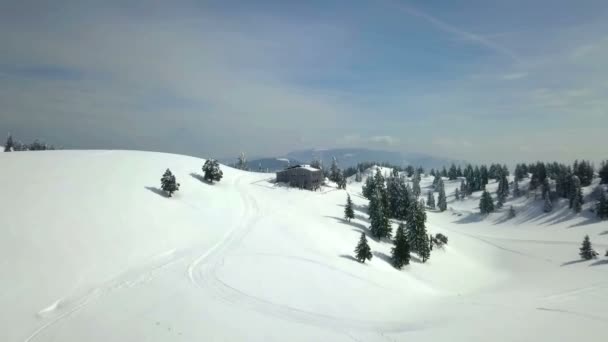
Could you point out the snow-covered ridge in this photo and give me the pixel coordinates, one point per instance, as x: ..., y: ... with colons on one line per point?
x: 90, y: 250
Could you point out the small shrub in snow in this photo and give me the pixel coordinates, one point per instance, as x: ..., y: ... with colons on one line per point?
x: 212, y: 171
x: 362, y: 251
x: 168, y: 183
x: 586, y: 250
x: 441, y: 239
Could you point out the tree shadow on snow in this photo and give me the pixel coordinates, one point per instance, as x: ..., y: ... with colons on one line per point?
x: 157, y: 191
x: 605, y: 232
x: 349, y: 257
x: 360, y: 227
x: 200, y: 178
x: 600, y: 262
x: 577, y: 261
x: 383, y: 256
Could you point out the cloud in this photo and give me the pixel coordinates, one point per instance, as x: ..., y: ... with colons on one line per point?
x: 356, y: 140
x: 481, y: 40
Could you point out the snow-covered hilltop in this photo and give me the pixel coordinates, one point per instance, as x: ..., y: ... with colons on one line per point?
x: 92, y: 250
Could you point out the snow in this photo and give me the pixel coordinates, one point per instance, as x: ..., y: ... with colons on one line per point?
x: 92, y: 251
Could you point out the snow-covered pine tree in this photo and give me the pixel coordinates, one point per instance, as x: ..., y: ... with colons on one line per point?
x: 546, y: 188
x: 463, y: 189
x: 442, y: 203
x: 334, y: 171
x: 362, y: 251
x: 316, y: 163
x: 369, y: 188
x: 601, y: 208
x: 349, y: 213
x: 416, y: 184
x: 400, y: 253
x: 586, y: 250
x: 576, y: 195
x: 417, y: 236
x: 453, y: 173
x: 603, y: 172
x: 241, y: 162
x: 486, y: 204
x: 548, y: 204
x: 341, y: 181
x: 168, y: 183
x: 8, y: 146
x: 457, y: 194
x: 379, y: 222
x: 516, y: 191
x: 436, y: 181
x: 404, y: 200
x: 512, y: 213
x: 483, y: 176
x: 358, y: 178
x: 430, y: 200
x: 212, y: 172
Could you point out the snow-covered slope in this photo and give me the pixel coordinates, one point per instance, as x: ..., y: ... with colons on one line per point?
x: 91, y: 250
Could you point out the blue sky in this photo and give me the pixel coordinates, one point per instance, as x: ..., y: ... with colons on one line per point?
x: 474, y: 80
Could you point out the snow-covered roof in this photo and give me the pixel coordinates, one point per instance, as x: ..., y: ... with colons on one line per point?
x: 303, y: 166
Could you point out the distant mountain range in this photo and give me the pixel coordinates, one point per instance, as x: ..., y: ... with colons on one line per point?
x: 347, y: 157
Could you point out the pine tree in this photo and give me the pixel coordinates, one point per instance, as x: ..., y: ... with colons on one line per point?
x: 546, y: 189
x: 516, y: 191
x: 463, y: 189
x: 604, y: 172
x: 442, y: 203
x: 404, y: 200
x: 316, y: 163
x: 349, y: 213
x: 459, y: 171
x: 8, y: 146
x: 576, y: 195
x: 341, y: 181
x: 486, y: 204
x: 369, y: 188
x: 430, y: 200
x: 334, y: 171
x: 453, y: 173
x: 457, y: 194
x: 358, y: 178
x: 416, y: 231
x: 512, y: 213
x: 168, y: 183
x: 362, y: 251
x: 432, y: 172
x: 586, y: 250
x: 211, y: 170
x: 400, y: 253
x: 416, y: 184
x: 548, y: 204
x: 602, y: 206
x: 241, y: 163
x: 380, y: 224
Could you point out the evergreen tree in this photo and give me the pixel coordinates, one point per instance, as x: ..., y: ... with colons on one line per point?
x: 459, y: 171
x: 486, y: 204
x: 168, y: 183
x: 604, y: 172
x: 416, y: 184
x: 380, y: 224
x: 548, y: 204
x: 417, y: 236
x: 602, y: 206
x: 436, y: 181
x: 341, y: 181
x: 362, y: 251
x: 442, y: 200
x: 349, y: 213
x: 410, y: 170
x: 404, y: 200
x: 401, y: 251
x: 453, y: 173
x: 8, y: 146
x: 457, y: 194
x: 512, y: 213
x: 444, y: 172
x: 483, y: 177
x: 576, y: 195
x: 369, y: 188
x: 358, y: 178
x: 334, y: 175
x: 316, y: 163
x: 546, y: 189
x: 463, y: 189
x: 241, y: 162
x: 516, y: 191
x: 432, y: 172
x: 586, y: 250
x: 430, y: 200
x: 212, y: 172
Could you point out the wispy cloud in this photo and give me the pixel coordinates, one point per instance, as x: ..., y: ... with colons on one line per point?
x: 479, y: 39
x: 514, y: 76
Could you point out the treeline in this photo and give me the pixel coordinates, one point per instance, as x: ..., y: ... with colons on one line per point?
x: 15, y: 146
